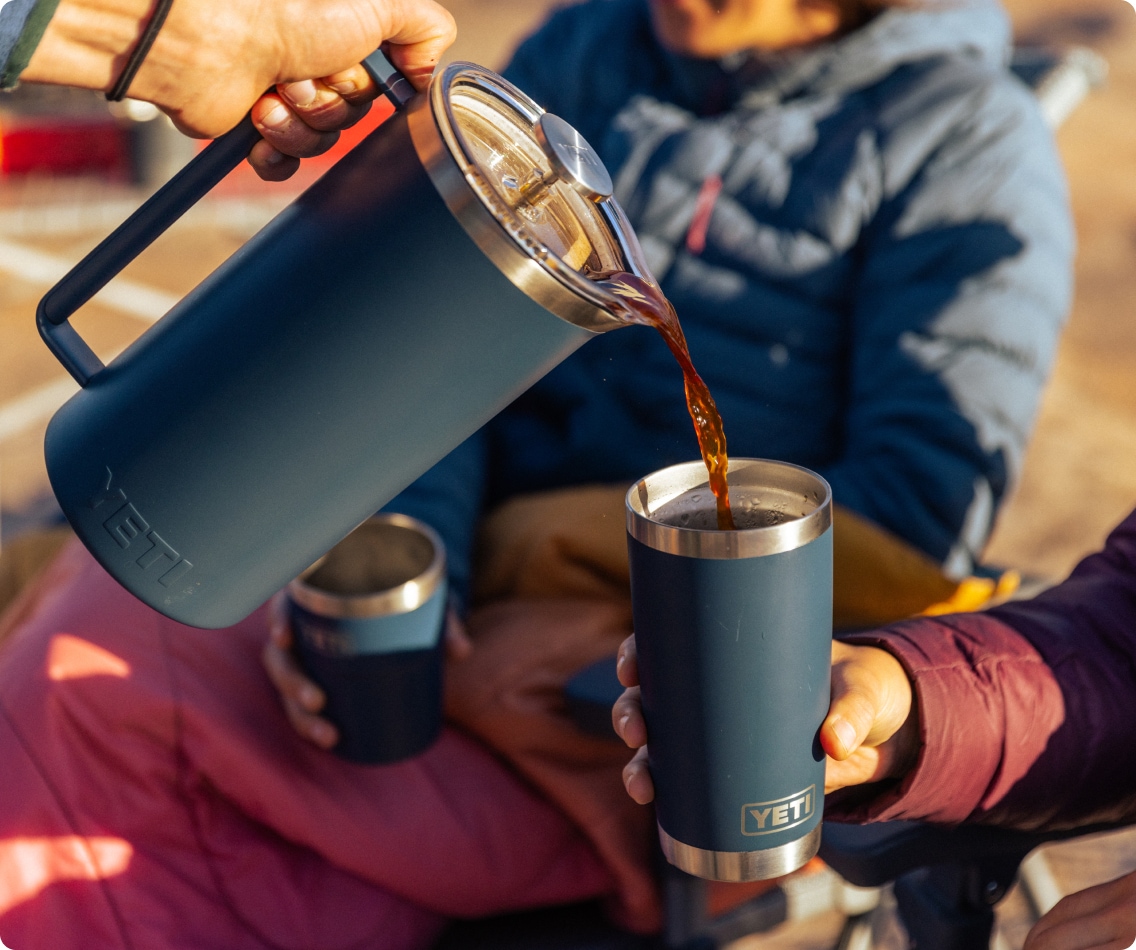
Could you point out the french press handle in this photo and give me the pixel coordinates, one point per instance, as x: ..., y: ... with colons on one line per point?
x: 153, y: 218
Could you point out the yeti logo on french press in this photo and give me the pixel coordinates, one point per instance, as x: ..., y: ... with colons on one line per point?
x: 781, y: 814
x: 126, y: 525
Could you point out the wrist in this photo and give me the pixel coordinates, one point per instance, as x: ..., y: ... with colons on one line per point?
x: 206, y: 66
x: 201, y: 69
x: 86, y: 42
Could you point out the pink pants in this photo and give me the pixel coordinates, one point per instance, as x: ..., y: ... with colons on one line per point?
x: 152, y: 796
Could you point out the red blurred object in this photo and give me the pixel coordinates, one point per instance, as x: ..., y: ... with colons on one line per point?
x: 78, y: 138
x: 65, y: 145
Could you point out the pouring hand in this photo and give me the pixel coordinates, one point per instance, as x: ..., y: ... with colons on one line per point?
x: 213, y: 59
x: 871, y: 731
x: 302, y: 699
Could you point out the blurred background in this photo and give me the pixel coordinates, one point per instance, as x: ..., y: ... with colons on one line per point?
x: 72, y: 167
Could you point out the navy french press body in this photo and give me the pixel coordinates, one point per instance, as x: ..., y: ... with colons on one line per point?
x: 733, y: 631
x: 425, y: 281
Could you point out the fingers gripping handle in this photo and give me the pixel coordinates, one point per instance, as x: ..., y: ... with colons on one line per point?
x: 392, y: 83
x: 151, y: 220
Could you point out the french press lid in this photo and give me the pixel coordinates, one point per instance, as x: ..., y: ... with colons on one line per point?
x: 529, y: 190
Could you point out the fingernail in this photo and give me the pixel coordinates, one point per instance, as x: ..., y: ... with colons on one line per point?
x: 845, y: 733
x: 301, y: 93
x: 309, y: 697
x: 276, y: 118
x: 273, y: 158
x: 344, y: 88
x: 623, y: 723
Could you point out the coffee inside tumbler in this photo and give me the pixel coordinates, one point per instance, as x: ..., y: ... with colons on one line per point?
x: 733, y: 631
x: 753, y: 508
x: 379, y: 562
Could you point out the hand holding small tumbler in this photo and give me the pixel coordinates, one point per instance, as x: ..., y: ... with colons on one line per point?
x: 368, y: 619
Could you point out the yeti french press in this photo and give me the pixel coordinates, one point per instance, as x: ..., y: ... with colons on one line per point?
x: 426, y: 280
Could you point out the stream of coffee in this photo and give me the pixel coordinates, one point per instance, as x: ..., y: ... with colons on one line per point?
x: 645, y: 304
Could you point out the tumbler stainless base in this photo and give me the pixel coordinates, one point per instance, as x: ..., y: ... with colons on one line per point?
x: 741, y: 866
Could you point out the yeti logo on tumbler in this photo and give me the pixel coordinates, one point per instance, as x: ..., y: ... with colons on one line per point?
x: 766, y: 818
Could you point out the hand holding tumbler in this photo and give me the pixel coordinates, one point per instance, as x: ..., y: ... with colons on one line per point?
x: 733, y: 633
x: 368, y: 619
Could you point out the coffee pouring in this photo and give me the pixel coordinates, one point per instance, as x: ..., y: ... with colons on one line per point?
x: 427, y: 279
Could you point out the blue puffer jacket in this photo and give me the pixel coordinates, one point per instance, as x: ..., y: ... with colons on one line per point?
x: 877, y: 293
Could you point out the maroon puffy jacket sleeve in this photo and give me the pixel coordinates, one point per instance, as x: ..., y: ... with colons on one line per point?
x: 1028, y: 711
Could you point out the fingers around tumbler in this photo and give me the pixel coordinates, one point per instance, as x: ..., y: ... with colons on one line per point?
x: 301, y: 698
x: 290, y: 680
x: 627, y: 663
x: 280, y: 663
x: 637, y: 779
x: 838, y: 736
x: 871, y: 700
x: 627, y: 718
x: 316, y: 730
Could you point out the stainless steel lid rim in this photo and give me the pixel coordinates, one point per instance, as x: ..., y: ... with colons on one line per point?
x: 741, y: 866
x: 651, y: 493
x: 531, y: 266
x: 402, y: 599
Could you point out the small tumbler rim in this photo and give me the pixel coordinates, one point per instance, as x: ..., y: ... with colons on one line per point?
x: 401, y: 599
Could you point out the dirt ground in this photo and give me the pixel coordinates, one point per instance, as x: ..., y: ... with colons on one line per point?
x: 1080, y: 472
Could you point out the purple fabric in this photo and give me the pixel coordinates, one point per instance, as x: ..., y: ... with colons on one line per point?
x: 1027, y: 710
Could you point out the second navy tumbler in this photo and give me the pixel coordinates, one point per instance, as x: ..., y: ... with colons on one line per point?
x: 733, y: 631
x: 368, y: 619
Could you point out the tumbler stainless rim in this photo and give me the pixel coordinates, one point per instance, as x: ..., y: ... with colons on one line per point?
x: 741, y: 866
x: 528, y: 264
x: 648, y: 495
x: 402, y: 599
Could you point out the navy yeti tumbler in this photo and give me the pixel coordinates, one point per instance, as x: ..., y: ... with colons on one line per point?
x: 368, y: 619
x: 734, y: 631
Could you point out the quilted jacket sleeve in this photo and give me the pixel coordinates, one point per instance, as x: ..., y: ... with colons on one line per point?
x: 964, y: 287
x: 1026, y: 710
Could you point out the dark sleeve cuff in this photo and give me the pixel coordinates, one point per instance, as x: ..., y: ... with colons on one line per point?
x: 14, y: 59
